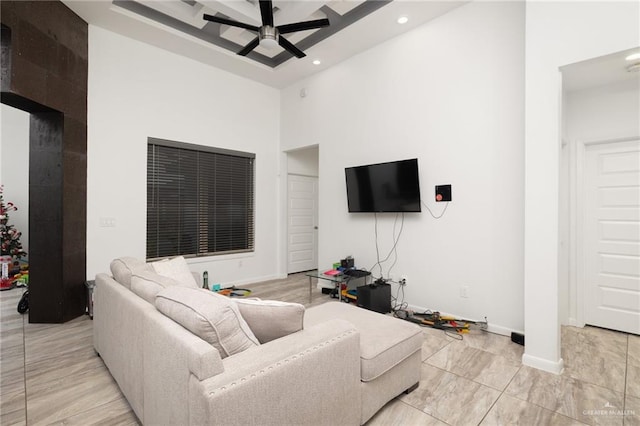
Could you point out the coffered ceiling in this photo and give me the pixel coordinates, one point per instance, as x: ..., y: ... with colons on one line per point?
x: 178, y: 26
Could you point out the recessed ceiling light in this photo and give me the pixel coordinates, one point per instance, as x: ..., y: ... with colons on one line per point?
x: 316, y: 62
x: 633, y: 57
x: 403, y: 20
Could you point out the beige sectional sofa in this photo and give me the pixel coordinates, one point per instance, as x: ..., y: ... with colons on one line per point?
x: 339, y: 369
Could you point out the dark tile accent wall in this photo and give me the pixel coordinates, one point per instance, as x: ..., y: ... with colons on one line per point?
x: 46, y: 45
x: 5, y: 61
x: 46, y: 294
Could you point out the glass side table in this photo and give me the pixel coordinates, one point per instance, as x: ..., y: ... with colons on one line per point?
x: 337, y: 280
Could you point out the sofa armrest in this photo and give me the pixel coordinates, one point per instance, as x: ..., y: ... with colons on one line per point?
x: 118, y: 319
x: 308, y: 377
x: 172, y: 354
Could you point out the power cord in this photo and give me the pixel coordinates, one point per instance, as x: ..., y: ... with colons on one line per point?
x: 375, y: 219
x: 431, y: 213
x: 395, y: 245
x: 403, y: 305
x: 394, y: 248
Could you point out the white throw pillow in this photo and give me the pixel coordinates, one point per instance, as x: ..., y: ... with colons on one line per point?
x: 148, y: 284
x: 176, y: 268
x: 123, y: 268
x: 210, y: 316
x: 270, y: 319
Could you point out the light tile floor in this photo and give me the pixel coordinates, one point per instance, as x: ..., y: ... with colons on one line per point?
x: 49, y: 374
x: 481, y: 380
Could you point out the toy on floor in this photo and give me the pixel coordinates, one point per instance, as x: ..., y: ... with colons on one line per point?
x: 441, y: 322
x: 23, y: 304
x: 234, y: 292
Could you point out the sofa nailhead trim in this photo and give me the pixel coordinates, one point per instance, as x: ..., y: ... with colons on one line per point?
x: 285, y: 361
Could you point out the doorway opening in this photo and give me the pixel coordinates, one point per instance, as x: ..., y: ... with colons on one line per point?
x: 600, y: 195
x: 14, y: 167
x: 302, y: 210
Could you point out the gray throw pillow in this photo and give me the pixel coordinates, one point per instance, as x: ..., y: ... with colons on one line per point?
x: 210, y: 316
x: 148, y: 284
x: 123, y: 268
x: 270, y: 319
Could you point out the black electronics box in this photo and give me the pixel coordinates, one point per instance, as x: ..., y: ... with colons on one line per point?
x: 517, y: 338
x: 347, y: 263
x: 375, y: 297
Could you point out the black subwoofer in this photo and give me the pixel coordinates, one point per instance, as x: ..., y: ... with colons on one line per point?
x: 375, y: 297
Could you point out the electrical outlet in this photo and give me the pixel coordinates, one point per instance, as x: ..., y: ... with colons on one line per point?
x: 464, y: 291
x: 403, y: 280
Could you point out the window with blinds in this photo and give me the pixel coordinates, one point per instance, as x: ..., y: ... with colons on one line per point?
x: 200, y: 200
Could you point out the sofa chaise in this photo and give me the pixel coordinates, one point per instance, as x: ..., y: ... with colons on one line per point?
x: 338, y: 368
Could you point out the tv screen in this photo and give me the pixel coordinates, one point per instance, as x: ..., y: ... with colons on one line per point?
x: 386, y: 187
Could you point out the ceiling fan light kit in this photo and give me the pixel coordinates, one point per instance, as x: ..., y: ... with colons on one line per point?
x: 269, y: 35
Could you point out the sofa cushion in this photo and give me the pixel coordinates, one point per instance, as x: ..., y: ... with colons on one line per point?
x: 176, y: 268
x: 123, y: 268
x: 270, y: 319
x: 147, y: 285
x: 384, y: 341
x: 212, y: 317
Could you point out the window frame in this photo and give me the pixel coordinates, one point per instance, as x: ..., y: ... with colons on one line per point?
x: 249, y: 209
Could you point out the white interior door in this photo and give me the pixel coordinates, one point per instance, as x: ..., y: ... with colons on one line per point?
x: 611, y: 249
x: 302, y: 223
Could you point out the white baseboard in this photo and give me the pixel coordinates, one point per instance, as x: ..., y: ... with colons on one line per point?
x: 254, y: 280
x: 498, y: 329
x: 575, y: 323
x: 554, y: 367
x: 572, y: 322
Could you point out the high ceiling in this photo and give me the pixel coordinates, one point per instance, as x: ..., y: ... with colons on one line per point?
x: 178, y: 26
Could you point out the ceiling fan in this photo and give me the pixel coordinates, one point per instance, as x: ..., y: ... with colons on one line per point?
x: 268, y: 34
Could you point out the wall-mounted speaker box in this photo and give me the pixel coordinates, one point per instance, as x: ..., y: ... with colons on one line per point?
x: 376, y: 297
x: 443, y: 192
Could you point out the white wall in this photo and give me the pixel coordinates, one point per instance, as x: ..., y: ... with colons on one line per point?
x: 451, y: 94
x: 557, y: 34
x: 14, y: 167
x: 604, y: 113
x: 136, y: 91
x: 303, y: 162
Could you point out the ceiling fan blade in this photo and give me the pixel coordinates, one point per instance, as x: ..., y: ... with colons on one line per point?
x: 290, y: 47
x: 230, y: 22
x: 266, y: 11
x: 301, y: 26
x: 249, y: 47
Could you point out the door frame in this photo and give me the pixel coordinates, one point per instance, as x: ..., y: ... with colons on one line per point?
x: 283, y: 216
x: 577, y: 223
x: 316, y: 226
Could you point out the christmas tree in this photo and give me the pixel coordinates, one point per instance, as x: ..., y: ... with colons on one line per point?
x: 10, y: 244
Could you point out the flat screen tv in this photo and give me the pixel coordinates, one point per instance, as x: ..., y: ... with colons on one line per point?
x: 384, y: 188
